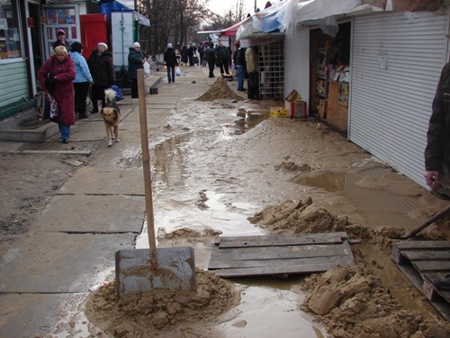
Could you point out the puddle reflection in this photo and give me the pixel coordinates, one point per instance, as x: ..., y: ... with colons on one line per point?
x: 379, y: 204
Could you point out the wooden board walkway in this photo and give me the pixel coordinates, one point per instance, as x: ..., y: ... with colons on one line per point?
x: 241, y: 256
x: 424, y: 262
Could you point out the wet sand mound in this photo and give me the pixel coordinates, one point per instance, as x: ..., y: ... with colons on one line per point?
x: 298, y: 217
x: 161, y: 313
x: 351, y: 302
x: 219, y: 90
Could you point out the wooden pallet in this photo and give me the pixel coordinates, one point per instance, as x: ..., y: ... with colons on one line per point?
x: 423, y: 262
x: 279, y: 255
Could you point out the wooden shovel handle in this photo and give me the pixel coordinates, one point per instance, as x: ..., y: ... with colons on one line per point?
x: 146, y: 166
x: 429, y: 221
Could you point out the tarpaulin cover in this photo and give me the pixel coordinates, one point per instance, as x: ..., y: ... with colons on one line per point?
x: 270, y: 23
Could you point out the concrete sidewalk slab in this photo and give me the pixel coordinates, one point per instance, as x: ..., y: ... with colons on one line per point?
x: 93, y: 214
x: 33, y: 315
x: 60, y: 263
x: 90, y: 131
x: 91, y: 181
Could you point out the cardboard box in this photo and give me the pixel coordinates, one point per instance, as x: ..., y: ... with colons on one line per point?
x: 294, y: 104
x: 293, y: 96
x: 278, y: 112
x: 296, y: 109
x: 322, y: 108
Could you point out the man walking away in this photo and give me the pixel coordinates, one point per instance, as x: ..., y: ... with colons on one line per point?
x: 211, y: 58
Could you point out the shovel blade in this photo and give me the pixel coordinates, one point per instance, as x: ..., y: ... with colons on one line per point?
x: 175, y: 270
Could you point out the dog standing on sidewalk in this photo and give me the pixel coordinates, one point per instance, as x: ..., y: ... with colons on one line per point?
x: 111, y: 116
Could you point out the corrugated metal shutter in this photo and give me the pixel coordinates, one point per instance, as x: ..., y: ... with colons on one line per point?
x: 14, y: 82
x: 296, y: 59
x: 390, y: 106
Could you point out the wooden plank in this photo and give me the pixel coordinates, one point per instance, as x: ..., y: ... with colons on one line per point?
x: 431, y: 290
x: 427, y: 255
x: 281, y: 270
x: 423, y: 245
x: 275, y: 263
x: 423, y: 262
x: 283, y: 252
x: 432, y: 266
x: 254, y: 241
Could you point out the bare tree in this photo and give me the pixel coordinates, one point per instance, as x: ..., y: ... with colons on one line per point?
x: 174, y: 21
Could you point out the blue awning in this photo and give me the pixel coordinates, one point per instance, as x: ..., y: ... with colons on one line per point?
x: 109, y: 6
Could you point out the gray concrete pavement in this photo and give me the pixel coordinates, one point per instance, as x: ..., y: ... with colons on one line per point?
x: 98, y: 211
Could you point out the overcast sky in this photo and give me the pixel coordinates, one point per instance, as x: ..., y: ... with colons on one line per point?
x: 221, y: 6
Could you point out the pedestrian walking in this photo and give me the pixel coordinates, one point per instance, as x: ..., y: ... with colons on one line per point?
x: 136, y: 61
x: 102, y: 70
x: 60, y: 68
x: 239, y: 61
x: 437, y: 151
x: 170, y: 59
x: 211, y: 58
x: 83, y: 79
x: 222, y: 58
x: 61, y: 40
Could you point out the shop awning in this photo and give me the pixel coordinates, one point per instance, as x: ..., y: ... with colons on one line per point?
x: 230, y: 31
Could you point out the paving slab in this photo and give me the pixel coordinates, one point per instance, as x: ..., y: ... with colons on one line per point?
x: 93, y: 130
x: 93, y: 214
x: 92, y: 181
x: 33, y: 315
x: 60, y: 263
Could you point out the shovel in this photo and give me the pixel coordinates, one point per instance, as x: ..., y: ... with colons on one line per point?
x: 162, y: 268
x: 425, y: 224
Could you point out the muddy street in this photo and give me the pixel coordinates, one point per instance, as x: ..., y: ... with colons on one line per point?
x: 223, y: 167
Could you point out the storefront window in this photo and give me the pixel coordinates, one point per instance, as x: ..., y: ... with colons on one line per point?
x: 9, y: 31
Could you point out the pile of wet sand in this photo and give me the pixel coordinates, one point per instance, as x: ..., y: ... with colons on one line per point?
x: 158, y: 312
x: 219, y: 90
x: 352, y: 302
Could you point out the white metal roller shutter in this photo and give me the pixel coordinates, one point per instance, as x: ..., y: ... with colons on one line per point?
x: 296, y: 60
x: 390, y: 107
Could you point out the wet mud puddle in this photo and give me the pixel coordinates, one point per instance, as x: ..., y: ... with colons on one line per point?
x: 379, y: 205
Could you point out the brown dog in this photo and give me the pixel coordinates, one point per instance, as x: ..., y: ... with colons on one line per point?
x: 111, y: 116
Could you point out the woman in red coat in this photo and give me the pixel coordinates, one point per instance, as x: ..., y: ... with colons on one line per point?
x: 60, y: 68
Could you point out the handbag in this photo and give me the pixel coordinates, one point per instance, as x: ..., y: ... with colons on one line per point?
x: 50, y: 107
x: 49, y: 81
x: 177, y: 71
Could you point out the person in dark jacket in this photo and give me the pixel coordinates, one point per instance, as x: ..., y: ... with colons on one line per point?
x: 239, y: 61
x: 102, y: 70
x: 211, y: 58
x: 437, y: 151
x: 136, y: 61
x: 61, y: 68
x: 222, y: 58
x: 61, y: 40
x: 171, y: 62
x: 184, y: 55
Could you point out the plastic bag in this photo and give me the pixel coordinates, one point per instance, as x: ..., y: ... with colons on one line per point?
x: 146, y: 69
x: 49, y: 107
x: 177, y: 71
x: 119, y: 95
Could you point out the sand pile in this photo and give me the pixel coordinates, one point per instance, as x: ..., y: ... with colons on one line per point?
x: 298, y: 217
x: 351, y: 302
x: 160, y: 313
x: 219, y: 90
